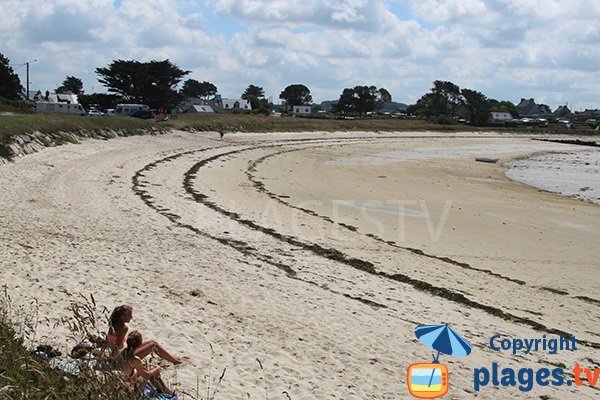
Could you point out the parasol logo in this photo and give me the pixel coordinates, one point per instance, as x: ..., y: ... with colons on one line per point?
x: 429, y: 380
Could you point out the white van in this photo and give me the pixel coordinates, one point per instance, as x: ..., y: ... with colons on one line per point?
x: 128, y: 109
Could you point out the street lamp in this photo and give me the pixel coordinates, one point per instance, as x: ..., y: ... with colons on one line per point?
x: 27, y: 65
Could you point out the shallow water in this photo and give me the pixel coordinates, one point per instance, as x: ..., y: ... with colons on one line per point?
x: 575, y: 174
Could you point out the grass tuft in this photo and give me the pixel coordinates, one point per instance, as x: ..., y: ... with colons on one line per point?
x: 27, y: 373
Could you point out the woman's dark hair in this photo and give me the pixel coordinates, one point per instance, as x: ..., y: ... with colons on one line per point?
x: 134, y: 340
x: 116, y: 317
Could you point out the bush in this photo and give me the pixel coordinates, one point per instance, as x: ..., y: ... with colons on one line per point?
x: 4, y: 152
x: 15, y: 105
x: 444, y: 120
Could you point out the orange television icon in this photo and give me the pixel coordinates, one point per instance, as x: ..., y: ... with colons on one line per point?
x: 427, y: 380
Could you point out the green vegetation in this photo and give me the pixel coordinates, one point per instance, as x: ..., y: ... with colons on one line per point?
x: 27, y: 374
x: 24, y: 375
x: 261, y: 123
x: 71, y: 84
x: 15, y: 106
x: 10, y: 85
x: 445, y: 101
x: 256, y: 96
x: 4, y: 152
x: 17, y: 124
x: 56, y: 126
x: 152, y: 83
x: 194, y: 88
x: 362, y: 99
x: 296, y: 95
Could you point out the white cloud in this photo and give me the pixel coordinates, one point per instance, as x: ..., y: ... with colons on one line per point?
x: 507, y: 49
x: 364, y: 15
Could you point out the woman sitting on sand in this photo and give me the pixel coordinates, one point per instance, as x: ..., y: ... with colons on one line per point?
x: 117, y: 331
x: 139, y: 377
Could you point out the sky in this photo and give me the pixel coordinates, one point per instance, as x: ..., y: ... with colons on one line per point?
x: 548, y: 50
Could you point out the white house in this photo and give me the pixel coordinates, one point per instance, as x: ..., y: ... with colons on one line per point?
x: 235, y: 104
x: 500, y: 118
x: 216, y: 104
x: 68, y: 98
x: 59, y: 103
x: 302, y: 110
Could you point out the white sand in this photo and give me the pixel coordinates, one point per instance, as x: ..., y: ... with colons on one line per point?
x: 113, y: 219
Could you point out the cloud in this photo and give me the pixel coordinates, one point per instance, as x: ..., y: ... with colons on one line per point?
x: 363, y: 15
x: 506, y: 49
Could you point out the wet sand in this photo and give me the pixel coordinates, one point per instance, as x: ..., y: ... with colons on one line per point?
x: 575, y: 174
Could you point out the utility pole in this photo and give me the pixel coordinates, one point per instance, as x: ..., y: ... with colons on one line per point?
x: 27, y: 68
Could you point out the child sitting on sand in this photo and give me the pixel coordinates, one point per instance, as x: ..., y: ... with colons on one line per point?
x: 117, y: 331
x: 142, y: 378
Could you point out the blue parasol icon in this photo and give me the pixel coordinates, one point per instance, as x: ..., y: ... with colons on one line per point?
x: 443, y: 339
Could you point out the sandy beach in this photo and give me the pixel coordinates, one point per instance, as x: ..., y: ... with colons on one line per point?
x: 302, y: 263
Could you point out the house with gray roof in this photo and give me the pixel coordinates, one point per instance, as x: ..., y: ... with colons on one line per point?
x: 528, y: 107
x: 563, y: 112
x: 500, y: 118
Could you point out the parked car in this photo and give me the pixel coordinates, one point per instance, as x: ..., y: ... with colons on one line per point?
x: 92, y: 113
x: 533, y: 121
x: 566, y: 123
x: 145, y: 114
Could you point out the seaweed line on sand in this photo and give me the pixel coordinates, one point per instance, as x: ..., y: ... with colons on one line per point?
x: 329, y: 253
x: 261, y: 187
x: 242, y: 247
x: 363, y: 265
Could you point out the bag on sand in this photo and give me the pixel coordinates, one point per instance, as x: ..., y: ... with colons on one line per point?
x: 156, y: 389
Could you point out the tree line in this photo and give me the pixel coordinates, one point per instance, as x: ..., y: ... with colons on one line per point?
x: 446, y: 101
x: 155, y: 83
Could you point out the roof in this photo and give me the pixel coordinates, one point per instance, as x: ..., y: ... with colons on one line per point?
x: 528, y: 107
x: 562, y: 111
x: 33, y: 94
x: 200, y: 109
x: 63, y: 97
